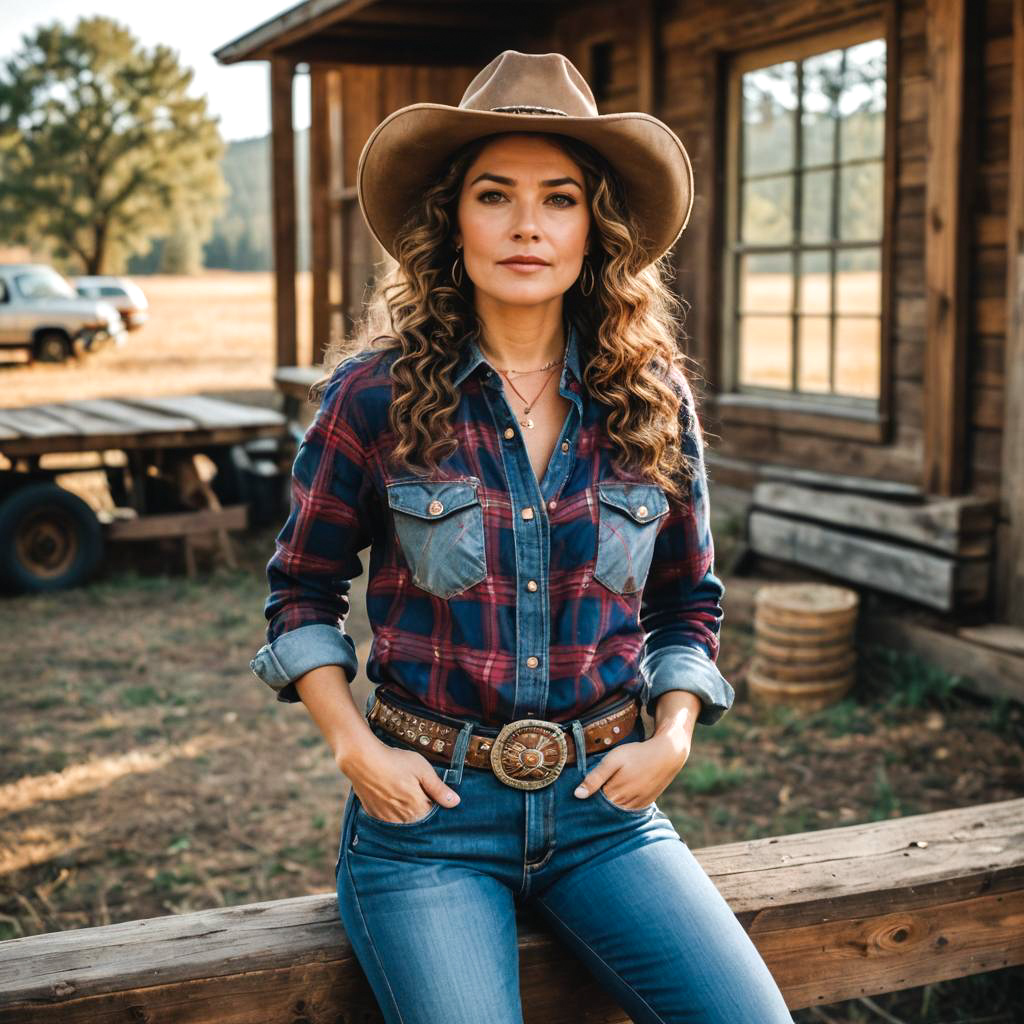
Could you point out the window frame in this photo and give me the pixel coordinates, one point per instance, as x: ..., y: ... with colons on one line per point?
x: 855, y: 417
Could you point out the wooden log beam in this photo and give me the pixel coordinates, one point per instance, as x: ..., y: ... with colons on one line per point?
x: 837, y: 913
x: 934, y: 580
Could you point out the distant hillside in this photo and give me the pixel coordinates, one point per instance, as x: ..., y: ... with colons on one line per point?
x: 241, y: 237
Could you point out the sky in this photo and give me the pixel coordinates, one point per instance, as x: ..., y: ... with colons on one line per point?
x: 238, y: 94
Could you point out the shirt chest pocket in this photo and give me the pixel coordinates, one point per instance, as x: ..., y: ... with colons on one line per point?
x: 440, y: 526
x: 629, y: 516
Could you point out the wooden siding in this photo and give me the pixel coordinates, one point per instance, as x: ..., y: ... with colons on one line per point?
x: 689, y: 69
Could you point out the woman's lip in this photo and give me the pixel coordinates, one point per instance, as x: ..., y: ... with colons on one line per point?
x: 520, y: 265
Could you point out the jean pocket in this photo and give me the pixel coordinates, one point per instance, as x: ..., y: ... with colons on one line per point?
x: 440, y: 527
x: 364, y: 815
x: 608, y: 802
x: 629, y: 516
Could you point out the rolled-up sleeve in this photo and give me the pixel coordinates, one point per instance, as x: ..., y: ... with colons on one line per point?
x: 316, y: 551
x: 681, y: 608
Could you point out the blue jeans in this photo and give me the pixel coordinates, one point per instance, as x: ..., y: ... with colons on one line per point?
x: 429, y: 906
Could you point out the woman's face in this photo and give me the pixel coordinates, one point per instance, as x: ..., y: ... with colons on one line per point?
x: 523, y: 196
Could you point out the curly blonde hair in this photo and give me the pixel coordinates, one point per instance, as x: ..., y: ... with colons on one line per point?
x: 630, y: 358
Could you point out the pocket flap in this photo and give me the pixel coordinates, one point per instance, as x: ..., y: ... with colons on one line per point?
x: 432, y: 499
x: 641, y: 502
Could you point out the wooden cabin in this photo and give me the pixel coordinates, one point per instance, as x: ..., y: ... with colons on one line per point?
x: 854, y: 262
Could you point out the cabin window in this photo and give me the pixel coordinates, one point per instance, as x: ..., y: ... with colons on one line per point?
x: 805, y: 220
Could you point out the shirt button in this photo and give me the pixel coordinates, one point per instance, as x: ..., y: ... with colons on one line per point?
x: 437, y: 652
x: 642, y: 511
x: 552, y: 504
x: 527, y: 512
x: 565, y: 446
x: 532, y: 661
x: 435, y: 508
x: 531, y: 585
x: 509, y: 433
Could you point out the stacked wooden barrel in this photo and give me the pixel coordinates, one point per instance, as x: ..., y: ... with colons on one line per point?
x: 804, y: 652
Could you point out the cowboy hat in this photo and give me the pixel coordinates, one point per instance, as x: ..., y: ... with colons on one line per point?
x: 528, y: 92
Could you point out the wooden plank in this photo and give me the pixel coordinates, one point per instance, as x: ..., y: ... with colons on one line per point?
x: 837, y: 913
x: 946, y: 254
x: 209, y: 413
x: 995, y: 673
x: 818, y: 479
x: 916, y: 575
x: 178, y: 524
x: 129, y: 417
x: 998, y: 637
x: 30, y: 422
x: 1010, y: 581
x: 936, y: 523
x: 283, y: 201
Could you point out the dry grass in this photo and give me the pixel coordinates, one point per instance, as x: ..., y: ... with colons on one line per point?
x: 208, y: 332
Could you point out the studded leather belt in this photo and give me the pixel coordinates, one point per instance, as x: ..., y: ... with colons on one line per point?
x: 528, y: 753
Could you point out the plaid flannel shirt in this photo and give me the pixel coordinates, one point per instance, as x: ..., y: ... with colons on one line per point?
x: 491, y: 595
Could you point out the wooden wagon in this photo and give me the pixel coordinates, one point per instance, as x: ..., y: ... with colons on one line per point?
x: 150, y: 450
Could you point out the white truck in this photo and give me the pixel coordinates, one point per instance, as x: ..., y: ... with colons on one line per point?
x: 42, y: 314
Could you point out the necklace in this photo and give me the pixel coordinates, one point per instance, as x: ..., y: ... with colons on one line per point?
x: 546, y: 366
x: 528, y: 421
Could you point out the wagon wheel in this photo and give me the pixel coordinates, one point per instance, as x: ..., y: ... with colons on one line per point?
x: 50, y: 539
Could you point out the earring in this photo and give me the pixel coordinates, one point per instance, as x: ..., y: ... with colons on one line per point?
x: 587, y: 269
x: 457, y: 281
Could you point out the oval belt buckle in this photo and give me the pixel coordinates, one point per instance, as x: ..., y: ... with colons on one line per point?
x: 529, y: 753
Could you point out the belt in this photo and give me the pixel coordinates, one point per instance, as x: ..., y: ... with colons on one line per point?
x: 528, y: 753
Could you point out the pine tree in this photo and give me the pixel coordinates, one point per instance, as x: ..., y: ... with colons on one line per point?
x: 101, y: 147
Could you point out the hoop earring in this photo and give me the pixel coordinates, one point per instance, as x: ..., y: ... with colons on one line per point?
x: 457, y: 281
x: 587, y: 269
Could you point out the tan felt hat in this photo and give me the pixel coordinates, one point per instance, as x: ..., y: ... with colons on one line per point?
x: 535, y: 92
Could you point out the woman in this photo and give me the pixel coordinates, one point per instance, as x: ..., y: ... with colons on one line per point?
x: 516, y: 441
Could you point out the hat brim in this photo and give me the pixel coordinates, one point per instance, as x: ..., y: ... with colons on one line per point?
x: 410, y: 146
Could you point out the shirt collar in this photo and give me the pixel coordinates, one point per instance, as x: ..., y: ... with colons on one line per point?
x: 472, y: 357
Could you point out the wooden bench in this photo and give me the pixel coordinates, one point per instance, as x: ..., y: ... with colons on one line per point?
x: 838, y: 913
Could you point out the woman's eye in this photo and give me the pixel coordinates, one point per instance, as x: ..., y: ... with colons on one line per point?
x: 569, y: 201
x: 483, y: 195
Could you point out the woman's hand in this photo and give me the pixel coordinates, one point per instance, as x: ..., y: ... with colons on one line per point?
x: 634, y: 775
x: 394, y: 784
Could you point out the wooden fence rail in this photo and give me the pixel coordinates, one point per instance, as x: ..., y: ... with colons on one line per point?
x: 836, y: 913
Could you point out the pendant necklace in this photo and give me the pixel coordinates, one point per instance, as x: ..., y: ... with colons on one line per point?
x: 528, y: 421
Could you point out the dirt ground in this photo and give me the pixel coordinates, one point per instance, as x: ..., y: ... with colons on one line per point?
x: 144, y: 770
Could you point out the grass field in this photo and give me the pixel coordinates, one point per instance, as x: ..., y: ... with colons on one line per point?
x: 208, y: 332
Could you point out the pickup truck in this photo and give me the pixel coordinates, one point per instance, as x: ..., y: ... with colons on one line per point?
x: 41, y: 313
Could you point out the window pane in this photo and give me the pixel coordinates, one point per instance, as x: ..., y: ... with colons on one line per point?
x: 766, y: 351
x: 766, y: 282
x: 815, y: 282
x: 768, y: 210
x: 769, y: 113
x: 859, y: 281
x: 816, y: 206
x: 858, y: 345
x: 860, y: 202
x: 812, y: 339
x: 822, y: 87
x: 862, y: 104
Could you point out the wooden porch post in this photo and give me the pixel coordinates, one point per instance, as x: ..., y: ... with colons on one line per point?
x: 319, y: 186
x: 1010, y: 585
x: 283, y: 181
x: 945, y: 406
